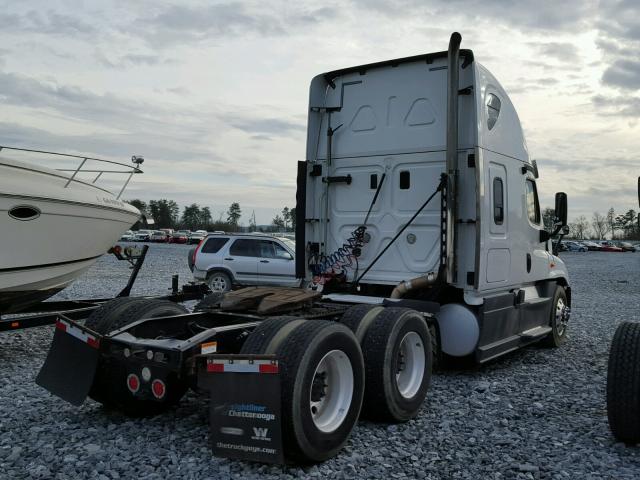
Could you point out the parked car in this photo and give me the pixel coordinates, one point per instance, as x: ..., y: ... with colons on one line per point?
x: 226, y: 260
x: 180, y: 236
x: 626, y: 247
x: 197, y: 236
x: 127, y: 236
x: 572, y: 246
x: 142, y: 235
x: 592, y: 246
x: 168, y: 231
x: 159, y: 236
x: 610, y: 247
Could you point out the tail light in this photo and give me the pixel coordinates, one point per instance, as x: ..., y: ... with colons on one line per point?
x: 158, y: 389
x: 133, y: 383
x: 193, y: 260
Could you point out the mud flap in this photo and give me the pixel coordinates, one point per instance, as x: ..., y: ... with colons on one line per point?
x: 71, y: 362
x: 244, y: 406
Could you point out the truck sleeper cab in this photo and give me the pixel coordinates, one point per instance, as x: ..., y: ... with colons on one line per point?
x: 389, y: 123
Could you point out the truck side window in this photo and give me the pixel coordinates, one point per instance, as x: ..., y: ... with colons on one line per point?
x: 498, y: 201
x: 533, y: 207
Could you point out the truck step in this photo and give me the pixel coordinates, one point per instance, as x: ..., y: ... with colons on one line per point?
x: 535, y: 333
x: 267, y: 300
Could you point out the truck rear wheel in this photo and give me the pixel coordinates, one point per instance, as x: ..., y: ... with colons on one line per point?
x: 322, y: 383
x: 559, y: 319
x: 623, y: 383
x: 397, y: 354
x: 110, y: 386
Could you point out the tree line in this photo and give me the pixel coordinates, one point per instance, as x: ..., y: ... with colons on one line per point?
x: 622, y: 226
x: 166, y: 214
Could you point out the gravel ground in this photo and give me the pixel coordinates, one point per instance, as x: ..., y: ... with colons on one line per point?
x: 537, y: 413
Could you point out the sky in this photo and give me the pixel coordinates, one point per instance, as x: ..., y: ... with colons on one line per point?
x: 214, y: 94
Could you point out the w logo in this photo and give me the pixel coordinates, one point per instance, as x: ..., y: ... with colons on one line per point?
x: 260, y: 434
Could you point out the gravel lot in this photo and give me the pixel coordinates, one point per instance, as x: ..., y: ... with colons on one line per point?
x: 535, y: 414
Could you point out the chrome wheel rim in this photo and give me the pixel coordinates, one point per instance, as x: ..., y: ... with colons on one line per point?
x: 562, y: 317
x: 411, y: 365
x: 331, y: 391
x: 218, y: 283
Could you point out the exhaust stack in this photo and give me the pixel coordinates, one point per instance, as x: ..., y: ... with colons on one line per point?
x: 453, y: 66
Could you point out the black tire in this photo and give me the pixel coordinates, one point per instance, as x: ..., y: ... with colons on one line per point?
x: 382, y: 351
x: 219, y: 281
x: 267, y: 337
x: 558, y: 320
x: 109, y: 385
x: 300, y: 353
x: 100, y: 319
x: 623, y: 383
x: 190, y: 258
x: 359, y: 317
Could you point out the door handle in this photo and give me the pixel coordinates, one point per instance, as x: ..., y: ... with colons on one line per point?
x: 264, y: 261
x: 228, y: 258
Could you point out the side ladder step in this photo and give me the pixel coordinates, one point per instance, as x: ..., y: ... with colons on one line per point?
x: 536, y: 332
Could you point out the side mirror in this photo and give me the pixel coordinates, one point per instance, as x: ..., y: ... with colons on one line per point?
x: 561, y: 208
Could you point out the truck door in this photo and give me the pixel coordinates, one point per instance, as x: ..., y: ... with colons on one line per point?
x: 242, y: 260
x: 498, y: 248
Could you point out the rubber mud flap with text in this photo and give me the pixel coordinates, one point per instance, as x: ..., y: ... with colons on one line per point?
x: 244, y: 407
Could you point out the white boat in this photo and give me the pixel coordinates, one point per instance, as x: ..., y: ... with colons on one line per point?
x: 55, y: 224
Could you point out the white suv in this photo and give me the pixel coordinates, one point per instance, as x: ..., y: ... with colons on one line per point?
x: 226, y: 260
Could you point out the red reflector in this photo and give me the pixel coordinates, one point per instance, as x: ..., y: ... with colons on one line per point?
x: 61, y: 326
x: 158, y: 389
x: 93, y: 342
x: 15, y: 324
x: 215, y: 367
x: 268, y: 368
x: 117, y: 249
x: 133, y: 383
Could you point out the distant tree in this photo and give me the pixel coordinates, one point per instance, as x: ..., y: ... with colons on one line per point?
x: 252, y: 222
x: 139, y: 204
x: 205, y: 218
x: 292, y: 217
x: 285, y: 216
x: 599, y: 225
x: 191, y: 217
x: 233, y: 214
x: 580, y: 228
x: 164, y: 212
x: 278, y: 221
x: 611, y: 221
x: 548, y: 215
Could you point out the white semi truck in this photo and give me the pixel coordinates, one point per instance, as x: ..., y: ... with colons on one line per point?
x: 419, y: 237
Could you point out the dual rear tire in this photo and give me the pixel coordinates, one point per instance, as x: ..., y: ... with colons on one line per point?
x: 323, y: 368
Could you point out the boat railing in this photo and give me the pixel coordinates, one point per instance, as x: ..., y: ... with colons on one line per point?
x: 127, y: 169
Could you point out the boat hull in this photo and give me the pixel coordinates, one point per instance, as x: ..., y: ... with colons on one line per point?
x: 71, y: 228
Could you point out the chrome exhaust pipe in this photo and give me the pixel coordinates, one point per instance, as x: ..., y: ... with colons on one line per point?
x: 453, y: 66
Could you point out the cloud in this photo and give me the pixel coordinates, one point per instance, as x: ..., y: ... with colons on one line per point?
x: 563, y: 51
x: 48, y: 22
x: 183, y: 24
x: 132, y: 60
x: 625, y: 106
x: 265, y: 127
x: 624, y: 74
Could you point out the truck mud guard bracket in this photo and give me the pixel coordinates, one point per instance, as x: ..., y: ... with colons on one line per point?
x: 71, y: 363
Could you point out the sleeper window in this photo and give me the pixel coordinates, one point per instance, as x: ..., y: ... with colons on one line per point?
x: 533, y: 207
x: 498, y: 201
